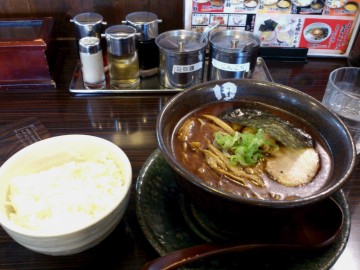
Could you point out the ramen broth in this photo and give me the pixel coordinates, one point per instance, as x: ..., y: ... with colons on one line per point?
x: 194, y: 161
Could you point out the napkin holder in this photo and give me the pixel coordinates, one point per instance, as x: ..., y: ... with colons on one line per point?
x: 25, y: 53
x: 284, y: 54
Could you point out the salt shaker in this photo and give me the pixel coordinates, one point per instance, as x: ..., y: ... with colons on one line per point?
x: 92, y: 65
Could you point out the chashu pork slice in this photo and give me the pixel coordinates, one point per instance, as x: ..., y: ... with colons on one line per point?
x: 293, y: 167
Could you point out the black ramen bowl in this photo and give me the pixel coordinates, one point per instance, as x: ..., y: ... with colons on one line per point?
x: 312, y: 113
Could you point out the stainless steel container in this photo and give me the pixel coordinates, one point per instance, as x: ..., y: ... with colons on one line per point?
x: 233, y: 54
x: 146, y: 24
x: 88, y: 24
x: 182, y: 58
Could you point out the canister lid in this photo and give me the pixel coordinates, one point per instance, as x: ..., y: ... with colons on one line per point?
x: 146, y: 23
x: 120, y: 39
x: 181, y: 41
x: 88, y: 24
x: 234, y: 40
x: 89, y: 45
x: 88, y: 18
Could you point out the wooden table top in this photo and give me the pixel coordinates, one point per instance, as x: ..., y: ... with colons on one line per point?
x: 129, y: 121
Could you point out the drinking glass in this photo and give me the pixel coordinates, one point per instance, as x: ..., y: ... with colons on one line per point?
x: 342, y: 95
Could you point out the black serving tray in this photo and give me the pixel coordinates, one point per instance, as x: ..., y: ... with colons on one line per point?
x: 151, y: 85
x: 167, y: 220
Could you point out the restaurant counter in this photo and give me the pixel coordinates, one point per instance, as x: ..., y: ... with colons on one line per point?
x: 129, y: 121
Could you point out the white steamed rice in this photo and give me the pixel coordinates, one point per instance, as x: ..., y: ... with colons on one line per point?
x: 65, y: 197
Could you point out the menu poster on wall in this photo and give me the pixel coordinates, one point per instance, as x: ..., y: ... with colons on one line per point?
x: 325, y: 27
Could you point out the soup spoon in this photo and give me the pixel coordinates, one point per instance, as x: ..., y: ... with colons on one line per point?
x: 207, y: 29
x: 315, y: 227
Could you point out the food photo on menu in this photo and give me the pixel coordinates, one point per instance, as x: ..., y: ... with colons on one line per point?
x: 313, y: 33
x: 277, y: 31
x: 326, y: 34
x: 322, y: 26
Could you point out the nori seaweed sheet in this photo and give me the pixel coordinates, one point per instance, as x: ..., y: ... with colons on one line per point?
x: 281, y: 130
x: 268, y: 25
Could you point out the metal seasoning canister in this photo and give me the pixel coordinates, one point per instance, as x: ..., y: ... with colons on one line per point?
x: 182, y: 58
x: 233, y: 54
x: 122, y: 56
x: 92, y: 66
x: 88, y: 24
x: 146, y: 24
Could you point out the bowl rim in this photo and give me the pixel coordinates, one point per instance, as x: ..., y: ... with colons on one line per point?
x: 252, y: 201
x: 9, y: 225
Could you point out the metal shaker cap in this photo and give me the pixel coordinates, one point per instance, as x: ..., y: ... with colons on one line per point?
x: 180, y: 41
x: 121, y: 39
x: 89, y: 45
x: 88, y: 24
x: 234, y: 41
x: 146, y: 23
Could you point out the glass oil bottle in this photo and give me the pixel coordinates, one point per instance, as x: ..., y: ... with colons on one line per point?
x: 122, y: 57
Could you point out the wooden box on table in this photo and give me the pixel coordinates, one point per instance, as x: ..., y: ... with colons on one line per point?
x: 25, y: 52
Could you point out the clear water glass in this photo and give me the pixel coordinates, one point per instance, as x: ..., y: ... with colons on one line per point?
x: 342, y: 95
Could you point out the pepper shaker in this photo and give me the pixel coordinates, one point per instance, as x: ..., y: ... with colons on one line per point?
x: 88, y: 24
x: 92, y: 65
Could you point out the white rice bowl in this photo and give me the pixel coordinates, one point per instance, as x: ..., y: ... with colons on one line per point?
x: 64, y: 194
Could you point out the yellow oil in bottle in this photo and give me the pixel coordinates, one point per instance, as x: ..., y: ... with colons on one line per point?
x: 124, y: 70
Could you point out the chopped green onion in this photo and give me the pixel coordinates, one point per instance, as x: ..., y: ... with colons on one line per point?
x: 244, y: 148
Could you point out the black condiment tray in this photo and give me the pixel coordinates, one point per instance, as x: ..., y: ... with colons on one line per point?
x: 150, y: 85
